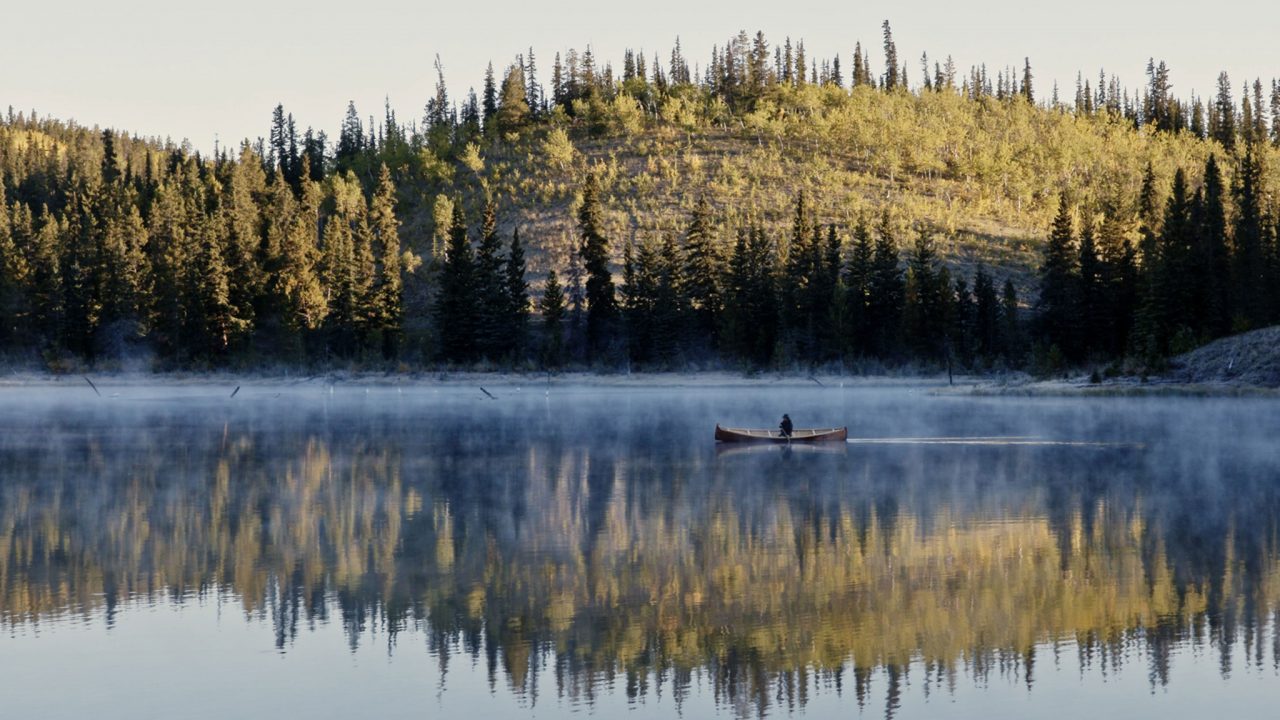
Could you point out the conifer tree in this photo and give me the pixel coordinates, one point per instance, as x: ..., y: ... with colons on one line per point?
x: 490, y: 106
x: 490, y: 289
x: 926, y: 307
x: 14, y: 271
x: 298, y: 292
x: 455, y: 309
x: 986, y: 315
x: 46, y: 288
x: 670, y: 312
x: 859, y: 70
x: 1250, y: 259
x: 1120, y: 280
x: 1091, y: 291
x: 886, y: 294
x: 388, y: 287
x: 891, y: 79
x: 751, y: 300
x: 517, y: 295
x: 1057, y: 306
x: 1212, y: 261
x: 213, y: 323
x: 1011, y: 323
x: 513, y: 111
x: 599, y: 296
x: 1174, y: 292
x: 553, y: 310
x: 243, y: 222
x: 857, y: 284
x: 702, y: 272
x: 1224, y: 129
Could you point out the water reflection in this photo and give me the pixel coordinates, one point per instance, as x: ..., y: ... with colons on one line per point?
x: 637, y: 558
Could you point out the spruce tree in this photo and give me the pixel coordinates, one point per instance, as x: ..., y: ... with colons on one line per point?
x: 14, y: 272
x: 599, y: 296
x: 986, y: 316
x: 517, y: 296
x: 1212, y: 261
x: 46, y: 288
x: 490, y: 289
x: 1224, y: 112
x: 301, y: 298
x: 553, y: 311
x: 1250, y: 259
x: 702, y: 272
x: 1011, y: 323
x: 886, y: 294
x: 857, y: 284
x: 891, y: 79
x: 1057, y: 306
x: 456, y: 302
x: 388, y: 286
x: 926, y: 307
x: 1090, y: 291
x: 513, y: 111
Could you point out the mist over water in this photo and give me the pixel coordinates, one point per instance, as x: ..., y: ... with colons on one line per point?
x: 558, y: 550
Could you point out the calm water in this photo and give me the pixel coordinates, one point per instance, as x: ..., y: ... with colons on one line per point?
x: 306, y: 551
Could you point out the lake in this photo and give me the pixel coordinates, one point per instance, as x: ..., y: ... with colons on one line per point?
x: 311, y: 550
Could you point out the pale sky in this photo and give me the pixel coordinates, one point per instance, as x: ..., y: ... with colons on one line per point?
x: 157, y: 68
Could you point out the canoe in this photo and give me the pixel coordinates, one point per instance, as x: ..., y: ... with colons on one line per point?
x: 724, y: 434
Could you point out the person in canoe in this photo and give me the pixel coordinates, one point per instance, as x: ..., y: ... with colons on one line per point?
x: 785, y: 426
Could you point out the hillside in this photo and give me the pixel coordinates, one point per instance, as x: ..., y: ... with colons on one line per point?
x: 303, y: 249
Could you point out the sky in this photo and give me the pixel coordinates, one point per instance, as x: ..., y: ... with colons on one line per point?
x: 213, y: 72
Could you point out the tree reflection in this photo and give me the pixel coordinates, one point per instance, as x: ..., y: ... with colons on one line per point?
x: 645, y: 565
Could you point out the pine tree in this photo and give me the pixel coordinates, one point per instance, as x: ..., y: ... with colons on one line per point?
x: 1120, y: 280
x: 1091, y: 291
x: 350, y: 140
x: 46, y: 288
x: 517, y: 296
x: 890, y: 80
x: 1027, y: 92
x: 1057, y: 306
x: 857, y: 283
x: 986, y: 316
x: 213, y: 322
x: 490, y: 289
x: 388, y: 287
x: 1249, y: 261
x: 926, y: 308
x: 1174, y: 292
x: 859, y: 68
x: 553, y: 310
x: 600, y: 301
x: 514, y: 109
x: 456, y: 301
x: 887, y: 294
x: 1224, y: 129
x: 751, y: 308
x: 670, y: 311
x: 702, y: 272
x: 300, y: 297
x: 1011, y: 323
x: 14, y: 273
x: 1212, y: 262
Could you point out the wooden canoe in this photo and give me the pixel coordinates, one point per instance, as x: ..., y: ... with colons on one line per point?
x: 724, y: 434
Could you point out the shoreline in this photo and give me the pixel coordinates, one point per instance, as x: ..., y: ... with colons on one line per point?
x: 1000, y: 385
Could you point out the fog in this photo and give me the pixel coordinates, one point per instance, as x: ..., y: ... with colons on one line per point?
x: 592, y: 542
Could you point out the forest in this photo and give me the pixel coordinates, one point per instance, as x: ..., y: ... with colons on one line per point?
x: 766, y: 209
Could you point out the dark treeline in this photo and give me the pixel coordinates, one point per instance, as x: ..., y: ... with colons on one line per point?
x: 294, y: 249
x: 1207, y: 264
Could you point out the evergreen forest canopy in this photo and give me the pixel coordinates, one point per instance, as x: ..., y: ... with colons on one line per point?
x: 770, y: 209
